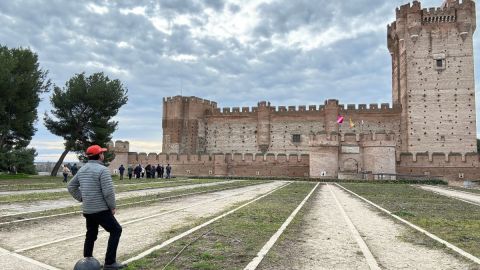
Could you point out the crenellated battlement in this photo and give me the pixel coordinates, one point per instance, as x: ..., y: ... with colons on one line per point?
x: 371, y: 108
x: 449, y: 12
x: 343, y: 109
x: 438, y: 159
x: 404, y: 10
x: 119, y: 146
x: 223, y: 158
x: 191, y: 99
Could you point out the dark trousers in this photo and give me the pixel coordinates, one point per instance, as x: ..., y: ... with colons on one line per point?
x: 110, y: 224
x: 65, y: 177
x: 129, y: 176
x: 121, y: 176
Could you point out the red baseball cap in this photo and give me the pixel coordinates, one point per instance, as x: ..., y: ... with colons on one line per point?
x: 95, y: 150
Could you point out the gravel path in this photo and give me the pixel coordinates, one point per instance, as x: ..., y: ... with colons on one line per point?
x: 136, y: 237
x: 14, y: 208
x: 471, y: 197
x: 382, y: 236
x: 325, y: 241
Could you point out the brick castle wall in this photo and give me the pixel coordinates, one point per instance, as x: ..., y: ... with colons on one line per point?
x: 220, y: 164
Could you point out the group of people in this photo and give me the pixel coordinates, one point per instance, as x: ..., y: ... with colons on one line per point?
x: 69, y: 169
x: 150, y: 171
x: 12, y: 169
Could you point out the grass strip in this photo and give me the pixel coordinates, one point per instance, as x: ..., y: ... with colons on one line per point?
x: 43, y: 196
x: 281, y: 253
x: 47, y: 182
x: 452, y: 220
x: 469, y: 190
x: 140, y: 200
x: 233, y: 241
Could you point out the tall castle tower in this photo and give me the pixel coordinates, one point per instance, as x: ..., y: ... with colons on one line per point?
x: 433, y: 76
x: 182, y: 122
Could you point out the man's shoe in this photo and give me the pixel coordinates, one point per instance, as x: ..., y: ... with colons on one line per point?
x: 114, y: 266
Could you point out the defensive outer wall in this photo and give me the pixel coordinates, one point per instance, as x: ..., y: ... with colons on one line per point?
x: 429, y: 130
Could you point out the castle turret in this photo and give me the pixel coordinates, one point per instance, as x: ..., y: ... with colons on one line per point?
x: 183, y: 120
x: 263, y: 126
x: 433, y: 76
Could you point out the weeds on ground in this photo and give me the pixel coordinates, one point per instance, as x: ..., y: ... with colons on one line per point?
x: 233, y: 241
x: 139, y: 200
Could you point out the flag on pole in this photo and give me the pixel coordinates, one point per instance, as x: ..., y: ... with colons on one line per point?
x: 352, y: 125
x: 340, y: 119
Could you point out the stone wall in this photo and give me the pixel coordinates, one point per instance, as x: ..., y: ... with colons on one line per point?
x: 452, y: 167
x: 227, y: 164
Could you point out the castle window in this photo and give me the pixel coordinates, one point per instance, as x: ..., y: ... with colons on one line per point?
x: 296, y: 138
x: 439, y: 63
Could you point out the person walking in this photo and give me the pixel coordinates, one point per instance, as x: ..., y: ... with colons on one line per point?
x: 169, y: 170
x: 129, y: 171
x: 93, y: 186
x: 162, y: 171
x: 74, y: 169
x: 121, y: 170
x: 65, y: 172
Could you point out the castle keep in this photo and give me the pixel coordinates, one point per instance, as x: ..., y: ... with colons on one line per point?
x: 430, y: 128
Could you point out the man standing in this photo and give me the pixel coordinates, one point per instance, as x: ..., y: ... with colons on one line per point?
x: 121, y: 170
x: 162, y: 170
x: 136, y: 171
x: 93, y: 186
x: 74, y: 169
x: 130, y: 172
x: 152, y: 171
x: 65, y: 171
x: 158, y: 171
x: 169, y: 170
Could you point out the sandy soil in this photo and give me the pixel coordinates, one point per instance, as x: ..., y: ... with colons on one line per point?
x: 325, y: 242
x: 382, y: 236
x: 471, y: 197
x: 136, y: 236
x: 13, y: 208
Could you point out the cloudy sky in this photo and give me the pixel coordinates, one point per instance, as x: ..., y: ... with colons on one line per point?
x: 235, y: 52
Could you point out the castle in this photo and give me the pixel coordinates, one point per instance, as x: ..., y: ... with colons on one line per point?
x: 430, y: 128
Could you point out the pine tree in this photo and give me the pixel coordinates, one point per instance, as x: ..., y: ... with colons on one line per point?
x: 21, y: 84
x: 82, y: 112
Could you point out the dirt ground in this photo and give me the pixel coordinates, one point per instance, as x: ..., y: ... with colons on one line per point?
x: 471, y: 197
x: 136, y: 236
x: 327, y: 243
x: 30, y: 191
x: 14, y: 208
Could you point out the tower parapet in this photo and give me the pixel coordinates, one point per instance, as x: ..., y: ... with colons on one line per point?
x: 433, y: 76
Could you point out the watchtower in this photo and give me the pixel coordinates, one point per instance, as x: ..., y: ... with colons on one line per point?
x: 433, y: 76
x: 183, y: 119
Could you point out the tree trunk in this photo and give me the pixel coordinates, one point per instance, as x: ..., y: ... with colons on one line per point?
x: 59, y: 163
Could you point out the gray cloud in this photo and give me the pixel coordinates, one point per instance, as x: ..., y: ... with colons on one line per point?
x: 287, y: 52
